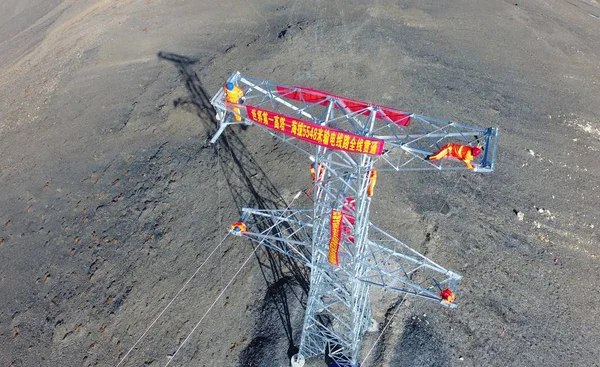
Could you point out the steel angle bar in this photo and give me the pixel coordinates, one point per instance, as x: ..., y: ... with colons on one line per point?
x: 287, y: 247
x: 301, y: 217
x: 283, y: 231
x: 246, y: 81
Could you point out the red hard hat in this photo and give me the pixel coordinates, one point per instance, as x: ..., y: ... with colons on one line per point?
x: 476, y: 151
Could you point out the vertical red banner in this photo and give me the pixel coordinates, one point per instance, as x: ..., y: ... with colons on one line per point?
x: 335, y: 226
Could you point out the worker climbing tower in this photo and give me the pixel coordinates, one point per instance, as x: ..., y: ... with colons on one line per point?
x: 349, y: 143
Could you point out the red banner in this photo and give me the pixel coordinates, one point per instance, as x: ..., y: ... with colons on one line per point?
x: 348, y: 208
x: 315, y: 134
x: 335, y: 226
x: 317, y: 96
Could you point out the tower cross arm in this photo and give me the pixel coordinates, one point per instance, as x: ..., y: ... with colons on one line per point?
x: 285, y: 231
x: 427, y: 143
x: 400, y: 141
x: 393, y: 265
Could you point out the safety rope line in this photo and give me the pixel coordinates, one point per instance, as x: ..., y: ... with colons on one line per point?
x: 230, y: 281
x: 172, y: 300
x: 211, y: 306
x: 219, y: 213
x: 383, y: 331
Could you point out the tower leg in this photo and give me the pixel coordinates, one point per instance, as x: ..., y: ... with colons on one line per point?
x: 221, y: 117
x: 297, y: 360
x: 374, y: 326
x: 225, y: 119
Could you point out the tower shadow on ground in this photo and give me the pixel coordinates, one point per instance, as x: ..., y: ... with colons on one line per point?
x: 287, y: 280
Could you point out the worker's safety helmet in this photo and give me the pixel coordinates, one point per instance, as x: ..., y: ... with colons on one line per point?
x: 229, y: 86
x: 476, y: 151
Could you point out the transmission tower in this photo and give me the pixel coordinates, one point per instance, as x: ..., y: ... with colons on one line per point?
x: 349, y: 142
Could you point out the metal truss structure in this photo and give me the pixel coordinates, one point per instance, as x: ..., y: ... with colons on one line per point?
x: 347, y: 254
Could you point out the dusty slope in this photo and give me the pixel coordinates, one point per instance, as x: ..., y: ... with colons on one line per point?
x: 111, y: 198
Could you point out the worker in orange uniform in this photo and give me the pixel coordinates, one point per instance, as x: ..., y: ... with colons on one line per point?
x: 234, y: 94
x: 465, y: 153
x: 372, y: 181
x: 238, y: 228
x: 447, y: 295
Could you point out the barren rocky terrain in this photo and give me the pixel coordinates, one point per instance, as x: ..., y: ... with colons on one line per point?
x: 112, y: 198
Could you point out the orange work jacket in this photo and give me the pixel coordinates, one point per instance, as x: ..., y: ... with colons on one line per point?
x: 233, y: 96
x: 462, y: 152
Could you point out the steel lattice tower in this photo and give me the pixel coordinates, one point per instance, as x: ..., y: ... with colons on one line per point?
x: 346, y: 253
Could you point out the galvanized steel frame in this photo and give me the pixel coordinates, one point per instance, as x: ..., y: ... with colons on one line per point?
x: 338, y: 309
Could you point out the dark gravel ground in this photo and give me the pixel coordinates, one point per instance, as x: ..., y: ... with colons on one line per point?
x: 111, y: 198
